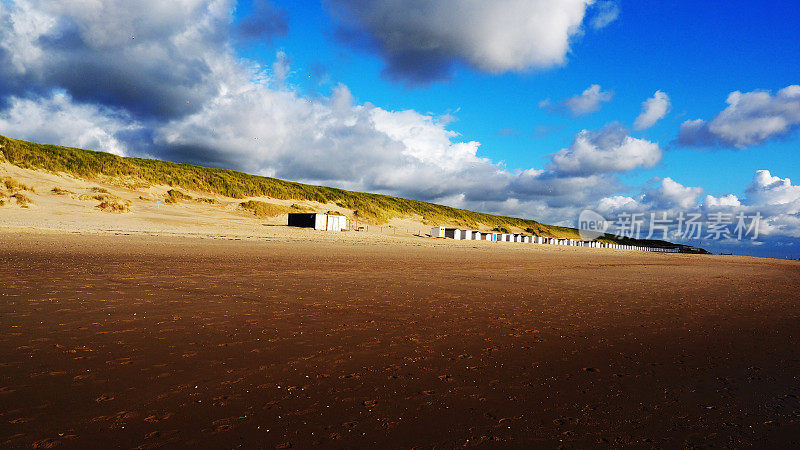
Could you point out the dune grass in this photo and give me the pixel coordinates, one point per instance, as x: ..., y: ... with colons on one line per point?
x: 366, y: 207
x: 58, y: 191
x: 174, y: 196
x: 14, y: 186
x: 22, y: 200
x: 264, y: 209
x: 114, y: 205
x: 108, y: 201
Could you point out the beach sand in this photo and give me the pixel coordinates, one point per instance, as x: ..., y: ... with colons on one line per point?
x: 294, y: 338
x: 198, y: 324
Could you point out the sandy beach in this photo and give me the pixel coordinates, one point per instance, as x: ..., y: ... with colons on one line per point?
x: 297, y: 338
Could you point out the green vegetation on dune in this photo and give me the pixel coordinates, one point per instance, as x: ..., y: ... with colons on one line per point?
x: 367, y: 207
x: 174, y: 196
x: 264, y: 209
x: 13, y: 185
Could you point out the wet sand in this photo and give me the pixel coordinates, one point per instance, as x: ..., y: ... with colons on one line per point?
x: 147, y: 341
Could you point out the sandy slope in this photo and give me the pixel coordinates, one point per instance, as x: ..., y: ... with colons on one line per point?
x: 66, y: 212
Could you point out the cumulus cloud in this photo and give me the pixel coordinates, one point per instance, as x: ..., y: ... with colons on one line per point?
x: 151, y: 57
x: 608, y: 150
x: 421, y: 41
x: 770, y: 190
x: 587, y: 102
x: 653, y: 110
x: 671, y: 194
x: 724, y: 201
x: 772, y: 201
x: 751, y: 118
x: 57, y: 119
x: 618, y: 203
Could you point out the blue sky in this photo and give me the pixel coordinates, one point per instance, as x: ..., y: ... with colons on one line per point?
x: 441, y: 102
x: 696, y: 52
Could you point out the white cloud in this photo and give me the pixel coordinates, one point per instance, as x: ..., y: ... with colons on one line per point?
x: 587, y: 102
x: 671, y: 194
x: 421, y: 41
x: 280, y: 68
x: 721, y: 202
x: 775, y: 200
x: 605, y: 12
x: 608, y: 150
x: 617, y: 203
x: 653, y: 110
x: 751, y: 118
x: 770, y: 190
x: 57, y: 119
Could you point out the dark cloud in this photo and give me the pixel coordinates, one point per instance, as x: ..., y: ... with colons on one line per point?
x: 154, y: 59
x: 421, y: 41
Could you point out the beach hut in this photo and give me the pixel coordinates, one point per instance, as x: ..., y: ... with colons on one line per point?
x: 318, y: 221
x: 437, y: 232
x: 336, y: 223
x: 308, y: 220
x: 453, y: 233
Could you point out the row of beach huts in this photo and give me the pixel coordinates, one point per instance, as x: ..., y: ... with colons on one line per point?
x: 474, y: 235
x: 333, y: 222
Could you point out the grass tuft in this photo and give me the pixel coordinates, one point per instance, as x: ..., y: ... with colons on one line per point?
x: 114, y: 205
x: 13, y: 185
x: 22, y: 200
x: 58, y: 191
x: 174, y: 196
